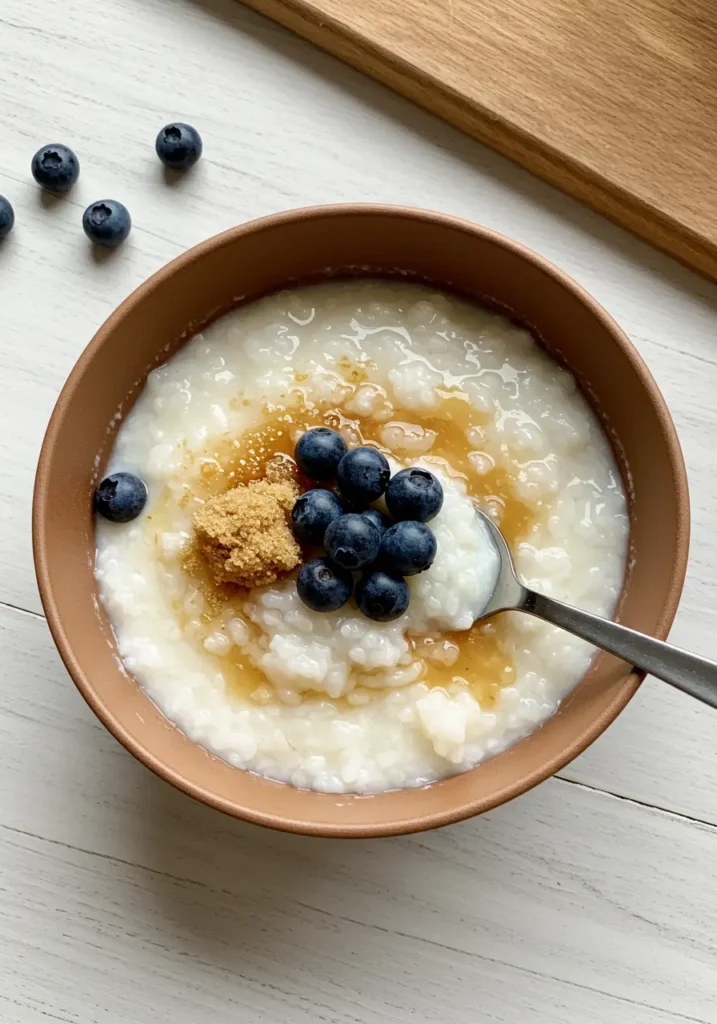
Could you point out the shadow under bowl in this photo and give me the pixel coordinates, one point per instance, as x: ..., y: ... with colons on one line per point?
x: 309, y: 245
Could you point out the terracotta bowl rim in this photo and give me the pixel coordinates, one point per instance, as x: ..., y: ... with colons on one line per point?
x: 449, y: 814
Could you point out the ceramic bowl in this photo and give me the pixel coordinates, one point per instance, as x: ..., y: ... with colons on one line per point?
x: 309, y: 245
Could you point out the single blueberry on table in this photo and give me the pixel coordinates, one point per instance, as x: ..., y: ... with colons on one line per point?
x: 362, y: 475
x: 408, y: 548
x: 382, y: 596
x: 55, y: 168
x: 352, y: 541
x: 318, y: 453
x: 313, y: 512
x: 7, y: 216
x: 414, y: 494
x: 107, y: 223
x: 178, y: 146
x: 378, y: 518
x: 121, y: 497
x: 324, y: 587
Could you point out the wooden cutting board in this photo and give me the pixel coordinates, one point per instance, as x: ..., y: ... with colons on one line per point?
x: 614, y: 101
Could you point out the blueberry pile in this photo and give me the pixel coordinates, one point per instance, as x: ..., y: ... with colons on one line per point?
x: 357, y: 538
x: 56, y: 168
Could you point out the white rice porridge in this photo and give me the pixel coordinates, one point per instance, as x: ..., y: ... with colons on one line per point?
x: 337, y: 702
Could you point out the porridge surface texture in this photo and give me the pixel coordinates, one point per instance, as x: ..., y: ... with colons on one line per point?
x: 335, y: 701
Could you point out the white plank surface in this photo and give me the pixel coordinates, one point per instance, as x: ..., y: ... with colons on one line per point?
x: 119, y: 892
x: 592, y: 899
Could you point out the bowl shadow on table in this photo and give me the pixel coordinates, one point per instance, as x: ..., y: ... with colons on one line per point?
x: 242, y: 897
x: 216, y: 877
x: 411, y: 118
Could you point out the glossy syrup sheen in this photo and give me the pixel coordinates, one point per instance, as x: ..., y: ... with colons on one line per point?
x: 480, y: 662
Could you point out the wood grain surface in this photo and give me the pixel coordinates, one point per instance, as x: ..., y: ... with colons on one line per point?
x: 614, y: 101
x: 591, y: 899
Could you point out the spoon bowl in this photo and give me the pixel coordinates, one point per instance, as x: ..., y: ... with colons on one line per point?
x: 508, y: 593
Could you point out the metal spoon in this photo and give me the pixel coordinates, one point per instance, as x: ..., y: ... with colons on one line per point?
x: 694, y: 675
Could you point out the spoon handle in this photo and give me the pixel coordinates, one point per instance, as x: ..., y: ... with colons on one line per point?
x: 688, y: 672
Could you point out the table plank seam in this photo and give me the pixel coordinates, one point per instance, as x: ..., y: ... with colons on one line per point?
x: 372, y: 926
x: 455, y: 950
x: 22, y: 611
x: 181, y: 879
x: 635, y: 801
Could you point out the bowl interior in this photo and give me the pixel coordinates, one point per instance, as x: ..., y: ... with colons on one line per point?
x: 307, y: 245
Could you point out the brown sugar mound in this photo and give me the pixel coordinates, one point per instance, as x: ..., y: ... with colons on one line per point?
x: 243, y: 536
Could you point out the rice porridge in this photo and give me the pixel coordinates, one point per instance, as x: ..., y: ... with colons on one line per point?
x: 335, y: 701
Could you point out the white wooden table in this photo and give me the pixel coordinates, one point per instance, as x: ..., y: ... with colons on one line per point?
x: 592, y: 899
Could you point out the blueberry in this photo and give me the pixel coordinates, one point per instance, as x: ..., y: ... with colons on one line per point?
x: 352, y: 541
x: 414, y: 494
x: 322, y: 586
x: 107, y: 223
x: 408, y: 547
x: 55, y: 168
x: 178, y: 146
x: 376, y: 517
x: 121, y: 497
x: 7, y: 216
x: 363, y: 474
x: 318, y: 453
x: 313, y: 512
x: 382, y: 596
